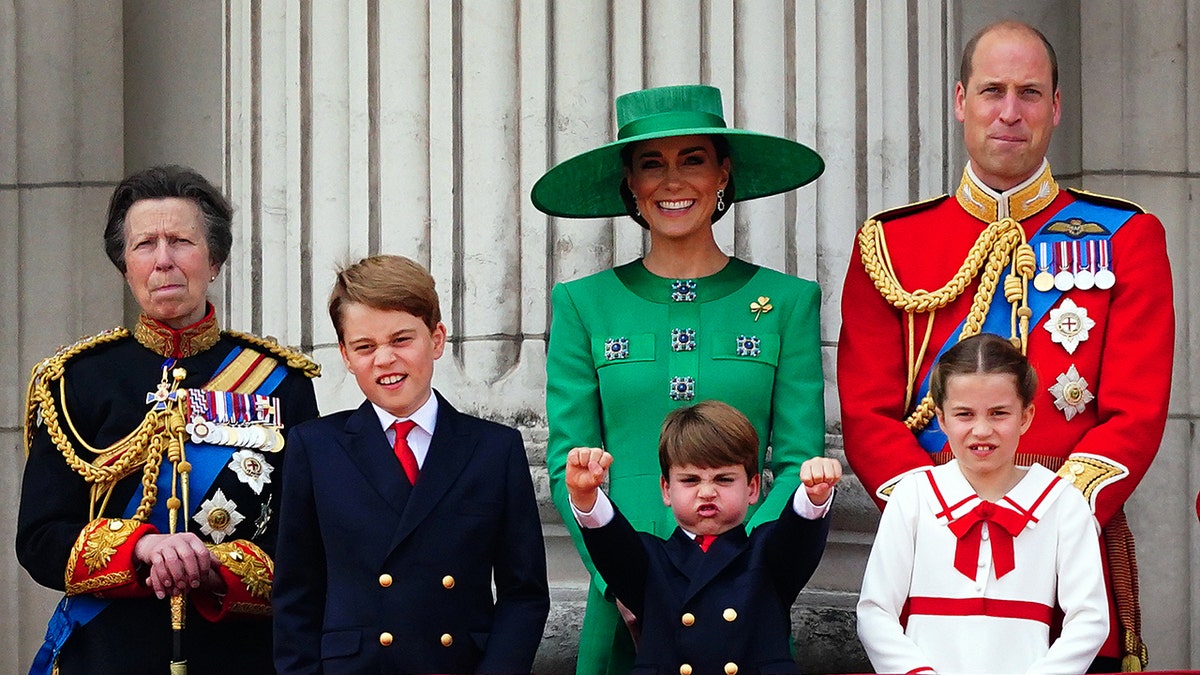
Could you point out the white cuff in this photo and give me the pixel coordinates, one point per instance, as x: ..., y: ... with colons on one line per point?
x: 804, y: 507
x: 600, y: 515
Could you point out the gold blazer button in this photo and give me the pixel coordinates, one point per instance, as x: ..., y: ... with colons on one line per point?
x: 385, y: 580
x: 385, y: 638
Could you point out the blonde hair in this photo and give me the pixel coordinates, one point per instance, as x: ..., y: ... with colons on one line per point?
x: 385, y: 282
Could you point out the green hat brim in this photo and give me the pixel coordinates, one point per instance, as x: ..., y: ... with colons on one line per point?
x: 588, y: 185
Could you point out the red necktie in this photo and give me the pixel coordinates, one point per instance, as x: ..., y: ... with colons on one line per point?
x: 705, y: 540
x: 1004, y: 524
x: 404, y: 453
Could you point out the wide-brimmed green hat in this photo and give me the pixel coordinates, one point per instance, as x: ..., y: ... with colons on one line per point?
x: 588, y: 185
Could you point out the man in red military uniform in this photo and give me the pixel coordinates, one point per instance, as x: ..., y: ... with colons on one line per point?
x: 1080, y: 282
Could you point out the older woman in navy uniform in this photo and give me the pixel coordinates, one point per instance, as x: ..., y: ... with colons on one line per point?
x: 683, y: 324
x: 149, y: 491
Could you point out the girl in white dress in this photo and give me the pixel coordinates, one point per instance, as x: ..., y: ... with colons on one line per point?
x: 972, y: 557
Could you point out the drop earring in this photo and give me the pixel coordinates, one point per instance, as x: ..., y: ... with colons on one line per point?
x: 721, y: 199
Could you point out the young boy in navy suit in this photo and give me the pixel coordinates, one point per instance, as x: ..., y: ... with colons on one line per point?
x: 396, y: 517
x: 710, y: 599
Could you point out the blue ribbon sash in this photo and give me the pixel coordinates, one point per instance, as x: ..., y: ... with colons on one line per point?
x: 998, y: 319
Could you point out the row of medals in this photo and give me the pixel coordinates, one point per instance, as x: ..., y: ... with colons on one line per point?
x: 1080, y: 264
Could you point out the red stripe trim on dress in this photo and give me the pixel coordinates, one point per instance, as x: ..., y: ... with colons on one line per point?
x: 1037, y: 502
x: 1003, y: 609
x: 947, y: 510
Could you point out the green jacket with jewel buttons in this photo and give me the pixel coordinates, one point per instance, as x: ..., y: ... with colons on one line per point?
x: 616, y: 398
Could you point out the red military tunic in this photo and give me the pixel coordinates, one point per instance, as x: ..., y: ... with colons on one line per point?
x: 1118, y: 376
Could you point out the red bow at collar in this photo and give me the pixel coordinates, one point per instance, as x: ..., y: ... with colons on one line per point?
x: 1004, y: 525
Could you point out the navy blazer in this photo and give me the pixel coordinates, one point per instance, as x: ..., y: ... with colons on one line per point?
x: 373, y: 575
x: 731, y: 604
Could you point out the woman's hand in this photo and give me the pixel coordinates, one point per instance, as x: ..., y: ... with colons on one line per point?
x: 178, y: 563
x: 586, y: 468
x: 819, y: 475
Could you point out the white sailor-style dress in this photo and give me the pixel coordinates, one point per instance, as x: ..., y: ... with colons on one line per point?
x: 960, y: 585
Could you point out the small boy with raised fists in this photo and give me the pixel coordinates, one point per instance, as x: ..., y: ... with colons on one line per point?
x: 711, y: 598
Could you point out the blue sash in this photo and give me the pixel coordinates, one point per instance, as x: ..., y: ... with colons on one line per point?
x: 207, y: 461
x: 999, y: 316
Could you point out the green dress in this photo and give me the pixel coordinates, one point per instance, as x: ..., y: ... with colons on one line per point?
x: 627, y: 347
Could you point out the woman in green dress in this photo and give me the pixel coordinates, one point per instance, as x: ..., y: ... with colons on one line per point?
x: 683, y: 324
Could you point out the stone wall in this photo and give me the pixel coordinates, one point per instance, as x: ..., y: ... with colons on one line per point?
x: 418, y: 127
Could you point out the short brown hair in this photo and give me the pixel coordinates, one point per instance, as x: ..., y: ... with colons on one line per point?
x: 986, y: 354
x: 967, y: 65
x: 708, y: 435
x: 385, y: 282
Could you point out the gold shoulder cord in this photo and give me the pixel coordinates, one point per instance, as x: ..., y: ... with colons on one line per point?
x: 160, y: 431
x: 293, y: 357
x: 1001, y: 244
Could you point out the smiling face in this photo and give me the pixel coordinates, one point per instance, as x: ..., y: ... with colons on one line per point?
x: 983, y: 417
x: 167, y: 263
x: 675, y: 182
x: 1009, y: 107
x: 709, y: 501
x: 391, y: 355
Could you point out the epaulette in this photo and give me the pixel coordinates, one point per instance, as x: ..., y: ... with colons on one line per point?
x: 1106, y: 200
x: 293, y: 357
x: 908, y: 209
x: 52, y: 367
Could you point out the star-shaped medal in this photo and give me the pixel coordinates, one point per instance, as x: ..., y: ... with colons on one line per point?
x: 1071, y: 393
x: 252, y: 469
x: 1069, y: 325
x: 218, y: 517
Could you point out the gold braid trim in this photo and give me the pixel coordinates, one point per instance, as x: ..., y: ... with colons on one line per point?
x: 293, y: 357
x: 101, y: 582
x: 1001, y: 244
x: 250, y: 563
x: 143, y: 447
x: 250, y: 608
x: 51, y: 368
x: 1122, y: 567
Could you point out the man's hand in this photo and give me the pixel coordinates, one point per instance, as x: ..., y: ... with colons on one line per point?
x: 586, y: 468
x: 178, y: 563
x: 819, y: 475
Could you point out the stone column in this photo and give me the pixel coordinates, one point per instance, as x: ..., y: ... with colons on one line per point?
x: 1140, y: 65
x: 60, y: 155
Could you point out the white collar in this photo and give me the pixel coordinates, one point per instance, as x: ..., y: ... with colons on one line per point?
x: 425, y: 416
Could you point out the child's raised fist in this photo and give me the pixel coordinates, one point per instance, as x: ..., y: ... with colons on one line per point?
x: 819, y: 475
x: 586, y: 468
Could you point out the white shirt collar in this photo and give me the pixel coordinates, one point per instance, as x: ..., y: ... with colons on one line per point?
x: 425, y: 416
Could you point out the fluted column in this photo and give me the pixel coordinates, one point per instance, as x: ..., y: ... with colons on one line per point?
x: 60, y: 154
x: 1140, y: 69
